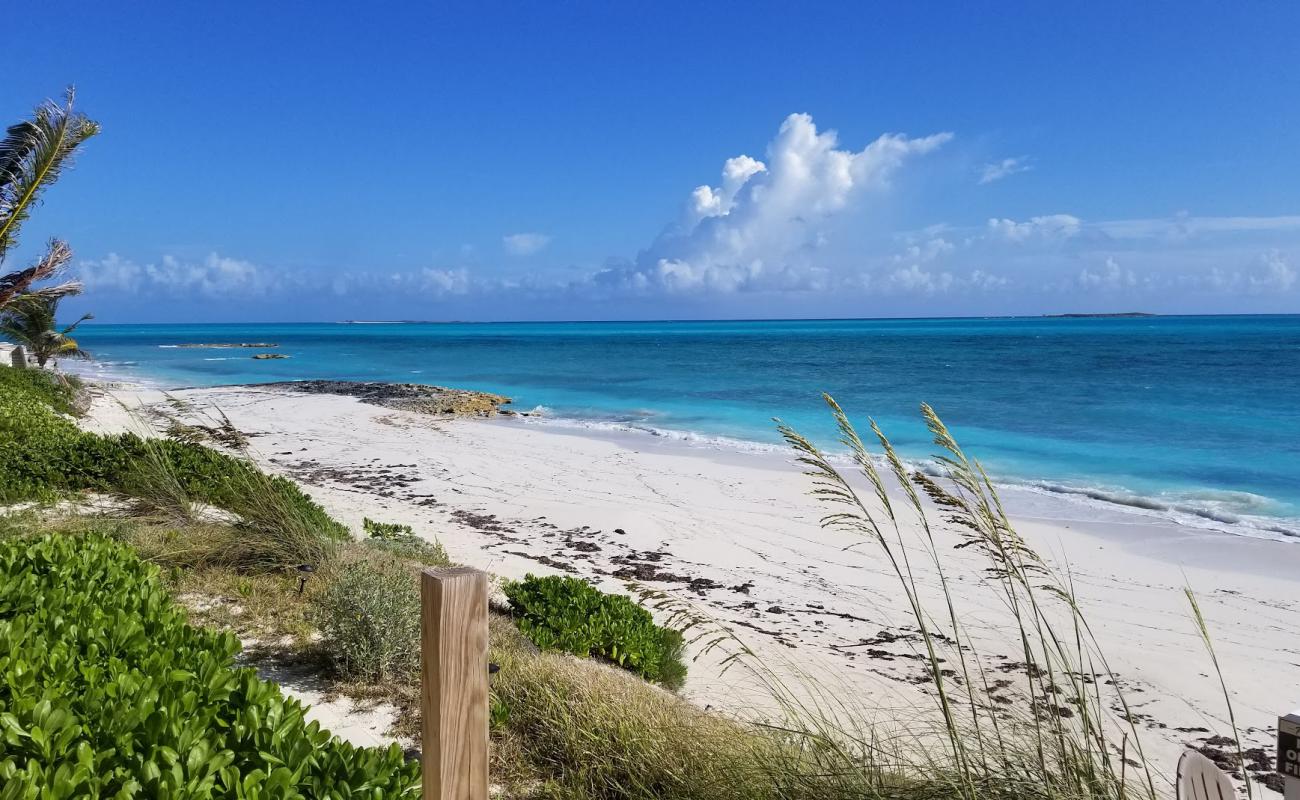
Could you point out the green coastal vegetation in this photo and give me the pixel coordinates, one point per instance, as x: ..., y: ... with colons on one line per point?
x: 144, y: 578
x: 110, y: 692
x: 567, y: 614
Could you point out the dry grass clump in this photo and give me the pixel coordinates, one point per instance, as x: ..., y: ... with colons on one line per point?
x: 269, y: 528
x: 1066, y: 743
x: 570, y: 727
x: 265, y: 607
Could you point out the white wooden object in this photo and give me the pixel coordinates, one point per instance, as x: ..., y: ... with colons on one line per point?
x: 1200, y: 779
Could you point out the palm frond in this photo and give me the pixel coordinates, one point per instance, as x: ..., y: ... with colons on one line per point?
x: 56, y: 258
x: 30, y: 321
x: 74, y: 325
x: 33, y: 154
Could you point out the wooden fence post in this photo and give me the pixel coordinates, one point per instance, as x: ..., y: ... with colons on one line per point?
x: 454, y: 683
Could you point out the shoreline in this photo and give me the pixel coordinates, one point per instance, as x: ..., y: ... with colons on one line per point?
x: 1119, y: 504
x: 736, y: 536
x: 1140, y: 511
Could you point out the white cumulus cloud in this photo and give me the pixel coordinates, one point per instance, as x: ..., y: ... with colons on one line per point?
x: 1052, y: 226
x: 914, y: 279
x: 444, y: 281
x: 759, y: 226
x: 997, y: 170
x: 525, y: 244
x: 926, y: 251
x: 1273, y: 274
x: 212, y: 276
x: 1111, y: 276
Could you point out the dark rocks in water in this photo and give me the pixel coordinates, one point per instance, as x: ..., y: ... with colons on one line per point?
x: 218, y: 345
x: 435, y: 400
x: 266, y: 356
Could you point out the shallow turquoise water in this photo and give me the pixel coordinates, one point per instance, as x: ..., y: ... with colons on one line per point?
x: 1200, y: 415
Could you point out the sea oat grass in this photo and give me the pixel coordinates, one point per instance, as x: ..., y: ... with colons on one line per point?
x: 1063, y: 740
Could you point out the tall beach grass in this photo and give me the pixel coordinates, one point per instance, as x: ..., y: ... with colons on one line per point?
x: 1051, y: 721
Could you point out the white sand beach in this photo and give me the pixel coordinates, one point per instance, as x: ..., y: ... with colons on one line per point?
x: 737, y: 536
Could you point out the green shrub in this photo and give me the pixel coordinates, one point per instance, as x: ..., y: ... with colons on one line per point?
x: 106, y: 691
x: 41, y: 453
x: 369, y: 618
x: 44, y: 455
x: 401, y: 541
x: 59, y: 391
x: 385, y: 530
x: 561, y: 613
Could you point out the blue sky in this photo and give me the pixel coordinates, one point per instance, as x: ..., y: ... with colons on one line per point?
x: 317, y: 161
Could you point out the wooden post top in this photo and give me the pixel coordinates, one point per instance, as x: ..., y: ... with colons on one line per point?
x: 454, y: 685
x: 451, y: 572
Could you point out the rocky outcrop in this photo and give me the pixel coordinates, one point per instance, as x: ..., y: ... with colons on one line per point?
x: 265, y: 356
x: 221, y: 345
x: 436, y: 400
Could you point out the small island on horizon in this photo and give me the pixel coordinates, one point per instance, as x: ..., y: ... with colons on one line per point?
x: 1112, y: 315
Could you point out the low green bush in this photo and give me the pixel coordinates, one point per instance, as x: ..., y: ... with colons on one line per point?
x: 43, y: 455
x: 56, y: 389
x: 369, y: 618
x: 401, y: 541
x: 106, y: 691
x: 385, y: 530
x: 562, y: 613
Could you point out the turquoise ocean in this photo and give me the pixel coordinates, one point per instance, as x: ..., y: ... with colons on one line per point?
x: 1190, y: 418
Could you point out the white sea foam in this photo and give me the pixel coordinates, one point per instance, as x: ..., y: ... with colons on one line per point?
x: 1233, y: 512
x: 111, y: 372
x: 543, y: 415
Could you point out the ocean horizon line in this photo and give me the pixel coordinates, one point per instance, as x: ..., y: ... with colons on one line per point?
x: 1100, y: 315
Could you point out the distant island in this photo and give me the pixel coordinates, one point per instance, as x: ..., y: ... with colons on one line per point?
x: 1119, y: 315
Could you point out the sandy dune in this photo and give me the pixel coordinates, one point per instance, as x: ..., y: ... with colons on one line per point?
x: 736, y: 536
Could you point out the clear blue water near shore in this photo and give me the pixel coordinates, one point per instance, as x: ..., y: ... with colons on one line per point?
x: 1195, y: 418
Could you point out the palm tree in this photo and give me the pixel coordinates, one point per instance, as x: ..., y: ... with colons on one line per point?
x: 29, y: 321
x: 33, y: 154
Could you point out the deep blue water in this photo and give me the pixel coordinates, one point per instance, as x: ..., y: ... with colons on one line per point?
x: 1196, y: 413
